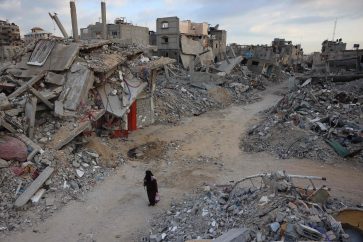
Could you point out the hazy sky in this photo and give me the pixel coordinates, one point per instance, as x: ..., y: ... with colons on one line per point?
x: 308, y: 22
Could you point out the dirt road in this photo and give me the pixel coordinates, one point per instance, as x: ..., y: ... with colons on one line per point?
x: 208, y: 152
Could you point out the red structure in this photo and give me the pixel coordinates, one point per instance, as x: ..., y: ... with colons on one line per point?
x: 132, y: 117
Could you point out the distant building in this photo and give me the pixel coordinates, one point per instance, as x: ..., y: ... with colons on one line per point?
x: 287, y: 53
x: 172, y: 34
x: 120, y: 29
x: 332, y: 46
x: 218, y: 42
x: 152, y: 37
x: 338, y: 57
x: 35, y: 34
x: 9, y: 33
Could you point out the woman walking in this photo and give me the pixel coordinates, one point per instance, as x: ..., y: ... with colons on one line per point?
x: 151, y: 187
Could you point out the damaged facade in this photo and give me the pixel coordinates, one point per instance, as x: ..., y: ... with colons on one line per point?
x: 9, y: 33
x: 187, y: 41
x: 120, y: 30
x: 58, y: 95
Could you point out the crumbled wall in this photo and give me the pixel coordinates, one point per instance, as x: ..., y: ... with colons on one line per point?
x: 145, y: 114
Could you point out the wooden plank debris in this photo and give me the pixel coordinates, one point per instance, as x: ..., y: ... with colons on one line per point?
x: 34, y: 187
x: 24, y: 87
x: 5, y: 124
x: 36, y: 148
x: 41, y: 97
x: 66, y: 133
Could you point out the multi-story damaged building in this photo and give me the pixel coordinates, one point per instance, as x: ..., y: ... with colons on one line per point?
x: 9, y: 33
x: 263, y: 58
x: 185, y: 41
x: 287, y: 53
x: 337, y: 57
x: 35, y: 34
x: 120, y: 29
x: 332, y: 46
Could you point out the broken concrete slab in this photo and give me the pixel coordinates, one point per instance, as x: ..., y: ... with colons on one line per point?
x: 58, y: 109
x: 234, y: 235
x: 60, y: 59
x: 33, y: 188
x: 41, y: 52
x: 79, y: 81
x: 208, y: 78
x: 227, y: 66
x: 112, y: 103
x: 66, y: 134
x: 54, y: 78
x: 190, y: 46
x: 103, y: 63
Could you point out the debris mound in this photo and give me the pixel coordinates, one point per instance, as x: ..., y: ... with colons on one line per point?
x: 276, y: 210
x: 318, y: 120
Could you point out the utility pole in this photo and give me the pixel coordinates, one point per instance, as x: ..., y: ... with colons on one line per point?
x: 335, y: 26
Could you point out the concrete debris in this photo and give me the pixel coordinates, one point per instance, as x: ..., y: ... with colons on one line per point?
x: 202, y: 91
x: 62, y: 81
x: 322, y: 121
x: 233, y: 213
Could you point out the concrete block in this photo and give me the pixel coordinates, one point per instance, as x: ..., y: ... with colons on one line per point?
x: 234, y: 235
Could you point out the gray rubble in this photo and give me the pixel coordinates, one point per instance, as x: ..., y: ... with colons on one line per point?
x: 276, y: 210
x: 318, y: 120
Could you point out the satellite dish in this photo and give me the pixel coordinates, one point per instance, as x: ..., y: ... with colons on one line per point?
x: 216, y: 27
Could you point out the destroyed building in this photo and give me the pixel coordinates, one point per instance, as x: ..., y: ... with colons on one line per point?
x: 287, y: 53
x: 9, y: 33
x: 185, y: 41
x: 35, y: 34
x: 120, y: 30
x: 10, y: 42
x: 337, y: 57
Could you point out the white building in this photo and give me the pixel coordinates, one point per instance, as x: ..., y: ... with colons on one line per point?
x: 36, y: 33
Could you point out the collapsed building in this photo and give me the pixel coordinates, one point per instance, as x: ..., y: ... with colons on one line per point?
x: 334, y: 58
x: 9, y: 33
x: 60, y: 92
x: 9, y: 40
x: 187, y: 41
x: 265, y: 59
x: 119, y: 30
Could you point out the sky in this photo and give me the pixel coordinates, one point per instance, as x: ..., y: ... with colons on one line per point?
x: 305, y: 22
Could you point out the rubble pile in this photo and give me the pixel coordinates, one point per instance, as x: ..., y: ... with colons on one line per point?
x: 320, y: 120
x: 76, y: 173
x: 52, y: 104
x: 275, y: 211
x: 193, y: 96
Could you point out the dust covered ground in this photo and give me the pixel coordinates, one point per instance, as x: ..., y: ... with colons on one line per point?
x: 199, y: 150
